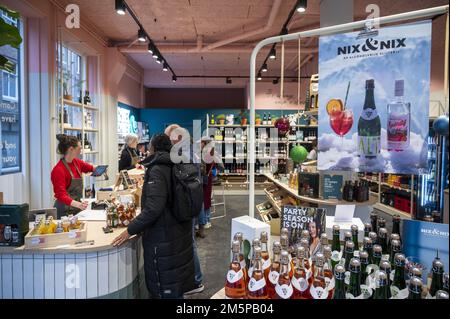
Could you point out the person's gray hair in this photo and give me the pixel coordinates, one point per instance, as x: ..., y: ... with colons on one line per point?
x: 129, y: 139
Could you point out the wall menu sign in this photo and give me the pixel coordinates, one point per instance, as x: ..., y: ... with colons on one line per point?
x: 10, y: 124
x: 374, y: 100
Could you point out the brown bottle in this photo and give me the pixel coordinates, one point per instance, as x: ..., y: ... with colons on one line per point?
x: 235, y: 283
x: 257, y: 287
x: 265, y: 254
x: 274, y: 272
x: 300, y: 280
x: 283, y: 288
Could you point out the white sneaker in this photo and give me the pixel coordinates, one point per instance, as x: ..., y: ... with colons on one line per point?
x: 196, y: 290
x: 207, y: 225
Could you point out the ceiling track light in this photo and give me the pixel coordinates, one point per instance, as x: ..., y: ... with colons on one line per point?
x: 264, y: 67
x: 159, y: 60
x: 273, y: 54
x: 174, y: 78
x: 301, y: 5
x: 150, y: 48
x: 165, y: 67
x: 142, y: 37
x: 121, y: 8
x: 228, y: 80
x: 259, y: 77
x: 155, y: 54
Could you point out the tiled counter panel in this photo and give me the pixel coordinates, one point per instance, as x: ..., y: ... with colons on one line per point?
x: 111, y: 273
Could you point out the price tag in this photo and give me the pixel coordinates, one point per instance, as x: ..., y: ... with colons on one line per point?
x: 72, y: 234
x: 233, y: 276
x: 37, y: 240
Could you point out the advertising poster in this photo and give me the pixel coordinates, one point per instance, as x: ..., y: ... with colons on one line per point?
x: 332, y: 186
x: 374, y: 100
x: 423, y: 241
x: 296, y: 219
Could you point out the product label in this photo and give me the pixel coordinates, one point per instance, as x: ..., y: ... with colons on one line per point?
x: 301, y: 284
x: 336, y: 256
x: 347, y: 278
x: 37, y: 240
x: 398, y: 131
x: 255, y: 285
x: 273, y: 277
x: 266, y: 264
x: 399, y: 294
x: 369, y: 114
x: 243, y: 264
x: 369, y: 145
x: 72, y: 234
x: 233, y: 276
x: 318, y: 292
x: 366, y: 292
x: 284, y: 291
x: 329, y: 283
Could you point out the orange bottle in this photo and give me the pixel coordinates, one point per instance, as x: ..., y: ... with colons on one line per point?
x: 284, y: 240
x: 235, y: 282
x: 283, y: 288
x: 300, y: 280
x: 328, y: 271
x: 265, y: 255
x: 257, y: 287
x: 240, y: 237
x: 318, y: 289
x: 274, y: 271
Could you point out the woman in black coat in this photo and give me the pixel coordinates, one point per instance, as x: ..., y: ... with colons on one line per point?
x: 167, y: 243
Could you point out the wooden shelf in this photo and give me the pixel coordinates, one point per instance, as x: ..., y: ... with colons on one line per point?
x: 272, y: 201
x: 369, y: 180
x: 91, y: 107
x: 318, y: 201
x: 79, y: 105
x: 397, y: 187
x: 391, y: 210
x: 305, y: 126
x: 92, y: 130
x: 73, y: 129
x: 313, y: 112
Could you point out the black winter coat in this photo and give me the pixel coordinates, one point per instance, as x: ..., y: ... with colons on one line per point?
x: 125, y: 158
x: 168, y: 252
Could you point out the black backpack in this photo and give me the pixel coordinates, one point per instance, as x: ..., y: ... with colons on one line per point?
x: 187, y: 192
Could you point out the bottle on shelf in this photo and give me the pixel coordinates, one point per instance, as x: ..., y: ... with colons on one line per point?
x: 348, y: 236
x: 257, y: 288
x: 264, y: 119
x: 382, y: 286
x: 213, y: 121
x: 235, y: 282
x: 318, y: 287
x: 284, y: 241
x: 66, y: 116
x: 269, y: 120
x: 283, y: 288
x: 374, y: 222
x: 374, y: 237
x: 328, y: 270
x: 415, y: 288
x: 87, y: 98
x: 367, y: 229
x: 265, y: 254
x: 437, y: 273
x: 255, y: 243
x: 239, y: 237
x: 339, y: 282
x: 399, y: 271
x: 354, y: 286
x: 300, y: 279
x: 336, y: 246
x: 274, y: 272
x: 354, y: 231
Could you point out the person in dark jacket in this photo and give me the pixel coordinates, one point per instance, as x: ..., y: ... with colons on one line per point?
x: 167, y: 243
x: 129, y: 157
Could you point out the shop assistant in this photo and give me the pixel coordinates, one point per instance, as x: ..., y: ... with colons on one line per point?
x: 66, y: 176
x: 129, y: 158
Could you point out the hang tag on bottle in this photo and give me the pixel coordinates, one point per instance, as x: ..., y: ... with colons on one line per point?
x: 243, y: 264
x: 347, y: 278
x: 399, y: 294
x: 273, y: 277
x: 250, y: 272
x: 366, y: 292
x: 301, y: 284
x: 318, y: 292
x: 284, y: 291
x: 233, y: 276
x: 266, y: 264
x: 336, y: 256
x: 255, y: 285
x: 330, y: 282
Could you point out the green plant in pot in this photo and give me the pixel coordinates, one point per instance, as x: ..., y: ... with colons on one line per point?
x: 257, y: 119
x: 221, y: 119
x: 243, y: 117
x: 9, y: 35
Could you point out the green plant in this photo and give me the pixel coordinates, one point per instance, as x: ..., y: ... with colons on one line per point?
x: 220, y: 117
x: 257, y: 116
x: 67, y: 78
x: 9, y: 35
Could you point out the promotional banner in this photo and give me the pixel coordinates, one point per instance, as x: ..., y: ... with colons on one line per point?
x: 296, y: 219
x: 374, y: 100
x: 423, y: 241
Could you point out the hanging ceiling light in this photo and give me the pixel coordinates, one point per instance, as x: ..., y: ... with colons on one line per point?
x: 159, y: 60
x: 174, y: 78
x: 165, y: 67
x: 150, y: 48
x: 229, y: 81
x: 120, y: 7
x: 155, y: 54
x: 141, y: 35
x: 264, y: 67
x: 301, y: 5
x: 259, y: 77
x: 273, y: 54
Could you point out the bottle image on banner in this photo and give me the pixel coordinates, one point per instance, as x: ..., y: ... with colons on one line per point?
x: 398, y: 120
x: 369, y: 126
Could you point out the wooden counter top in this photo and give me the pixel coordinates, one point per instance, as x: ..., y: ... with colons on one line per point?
x: 95, y: 232
x: 332, y: 202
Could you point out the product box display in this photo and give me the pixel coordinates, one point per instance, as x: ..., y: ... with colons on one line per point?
x: 13, y: 224
x: 345, y: 227
x: 270, y: 216
x: 249, y: 227
x: 308, y: 184
x: 34, y: 239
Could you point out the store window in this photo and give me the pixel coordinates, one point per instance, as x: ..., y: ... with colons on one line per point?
x: 72, y: 71
x: 11, y: 106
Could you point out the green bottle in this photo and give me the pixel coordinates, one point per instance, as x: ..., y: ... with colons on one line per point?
x: 339, y: 282
x: 393, y: 237
x: 364, y: 260
x: 354, y: 231
x: 437, y: 279
x: 441, y: 294
x: 368, y: 247
x: 382, y: 286
x: 377, y: 254
x: 399, y: 275
x: 367, y: 229
x: 382, y: 240
x: 374, y: 237
x: 385, y: 265
x: 415, y: 288
x: 354, y: 286
x: 348, y: 251
x: 446, y: 282
x: 369, y: 126
x: 395, y: 249
x: 336, y: 243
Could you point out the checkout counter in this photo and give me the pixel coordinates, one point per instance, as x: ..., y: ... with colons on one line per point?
x: 90, y: 269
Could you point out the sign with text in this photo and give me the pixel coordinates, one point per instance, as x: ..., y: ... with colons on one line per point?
x: 10, y: 125
x: 296, y: 219
x: 374, y: 96
x: 332, y: 186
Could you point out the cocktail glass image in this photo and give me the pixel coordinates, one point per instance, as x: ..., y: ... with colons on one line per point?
x: 341, y: 122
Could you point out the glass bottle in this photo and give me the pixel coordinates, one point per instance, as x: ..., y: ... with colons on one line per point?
x: 257, y: 287
x: 441, y: 294
x: 354, y: 286
x: 240, y: 237
x: 364, y: 260
x: 398, y: 120
x: 382, y: 239
x: 415, y: 288
x: 382, y: 286
x: 284, y: 241
x: 339, y: 286
x: 265, y: 254
x: 323, y: 241
x: 374, y: 237
x: 274, y: 272
x: 445, y: 282
x: 300, y: 279
x: 368, y: 247
x: 393, y: 236
x: 373, y: 221
x: 354, y: 231
x: 348, y: 251
x: 305, y: 243
x: 283, y: 288
x: 399, y: 274
x: 377, y: 255
x: 396, y: 220
x: 395, y: 249
x: 348, y: 236
x: 385, y: 265
x: 437, y: 280
x: 235, y: 283
x: 255, y: 243
x: 328, y: 270
x: 367, y: 229
x: 319, y: 278
x: 336, y: 242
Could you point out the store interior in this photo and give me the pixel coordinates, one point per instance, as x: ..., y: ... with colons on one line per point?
x: 102, y: 71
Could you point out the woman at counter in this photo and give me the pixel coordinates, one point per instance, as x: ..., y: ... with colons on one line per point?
x: 66, y: 176
x: 129, y: 157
